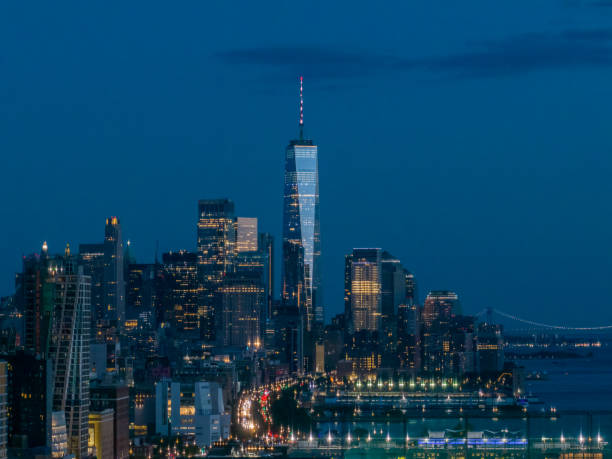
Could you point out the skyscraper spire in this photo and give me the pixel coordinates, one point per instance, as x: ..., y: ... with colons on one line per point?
x: 301, y: 108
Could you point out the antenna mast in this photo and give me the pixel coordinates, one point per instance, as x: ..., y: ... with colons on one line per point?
x: 301, y: 108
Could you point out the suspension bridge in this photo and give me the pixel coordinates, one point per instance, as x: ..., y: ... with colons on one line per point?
x: 535, y: 325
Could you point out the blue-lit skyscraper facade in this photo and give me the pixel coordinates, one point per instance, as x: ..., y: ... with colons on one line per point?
x: 301, y: 232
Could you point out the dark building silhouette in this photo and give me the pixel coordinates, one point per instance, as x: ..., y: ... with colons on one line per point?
x: 393, y: 294
x: 181, y: 292
x: 114, y: 286
x: 141, y: 294
x: 334, y: 338
x: 266, y: 247
x: 409, y: 337
x: 29, y: 416
x: 91, y: 258
x: 38, y: 293
x: 242, y: 303
x: 489, y: 348
x: 288, y: 339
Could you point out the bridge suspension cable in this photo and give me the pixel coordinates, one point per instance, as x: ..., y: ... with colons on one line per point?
x: 556, y: 327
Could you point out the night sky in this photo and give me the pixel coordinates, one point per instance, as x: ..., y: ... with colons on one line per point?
x: 470, y: 139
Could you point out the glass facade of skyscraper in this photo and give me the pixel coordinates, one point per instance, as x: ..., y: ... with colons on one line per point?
x: 301, y: 232
x: 216, y: 252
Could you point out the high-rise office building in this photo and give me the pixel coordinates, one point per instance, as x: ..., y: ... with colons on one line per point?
x: 143, y: 288
x: 409, y: 336
x: 69, y: 350
x: 412, y: 294
x: 181, y: 299
x: 393, y: 285
x: 364, y: 281
x: 246, y: 234
x: 140, y: 291
x: 440, y: 306
x: 114, y: 286
x: 301, y: 229
x: 242, y: 302
x: 216, y: 252
x: 91, y: 257
x: 409, y: 327
x: 447, y: 336
x: 393, y: 294
x: 489, y: 348
x: 37, y: 292
x: 257, y: 265
x: 103, y: 263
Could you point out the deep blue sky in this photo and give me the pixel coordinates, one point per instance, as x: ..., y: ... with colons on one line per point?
x: 470, y: 139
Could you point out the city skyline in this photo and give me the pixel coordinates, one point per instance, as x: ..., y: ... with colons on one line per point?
x: 455, y: 164
x: 317, y: 229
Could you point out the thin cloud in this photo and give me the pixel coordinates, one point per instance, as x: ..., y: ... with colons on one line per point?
x: 316, y: 61
x: 570, y: 49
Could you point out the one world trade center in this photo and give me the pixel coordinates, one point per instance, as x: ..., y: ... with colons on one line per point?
x: 301, y: 229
